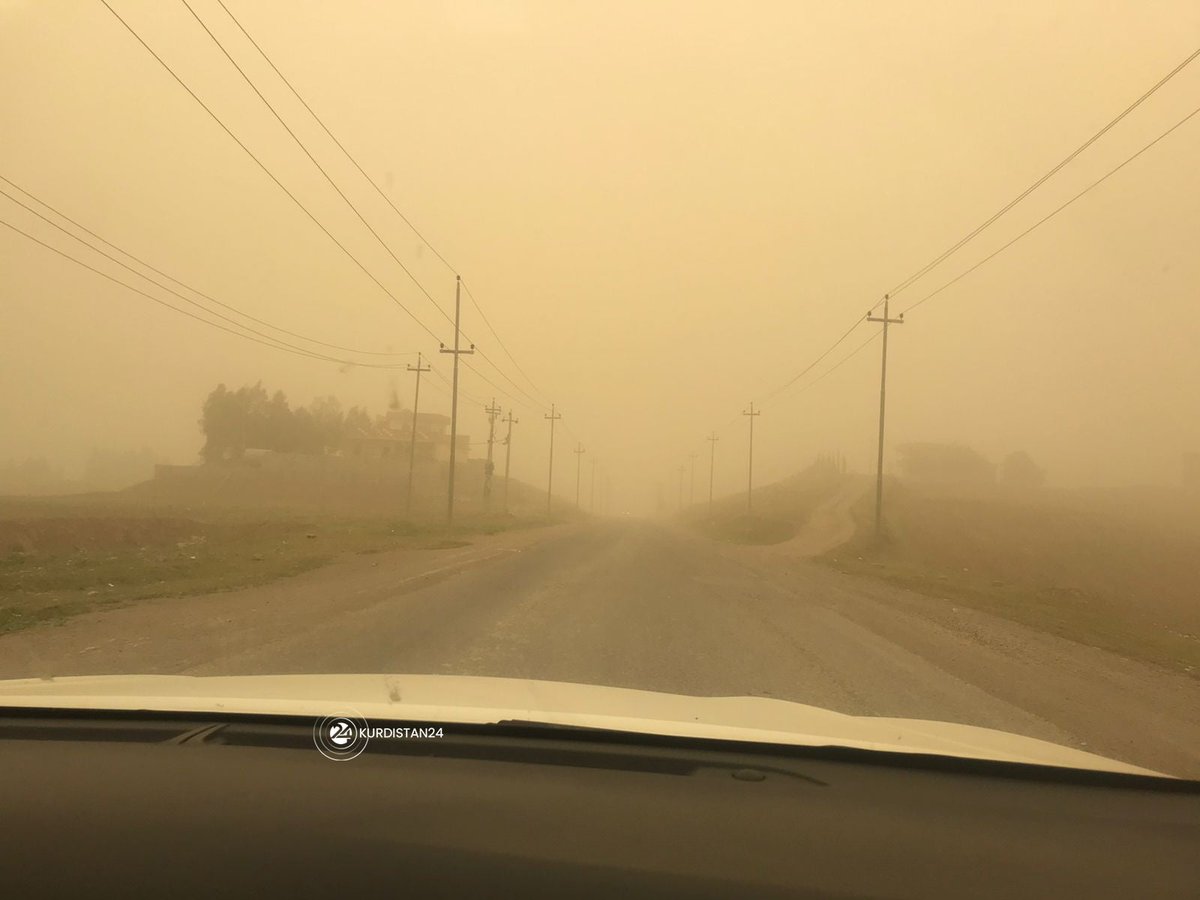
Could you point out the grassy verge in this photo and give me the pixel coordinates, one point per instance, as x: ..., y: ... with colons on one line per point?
x: 1066, y: 605
x: 63, y: 565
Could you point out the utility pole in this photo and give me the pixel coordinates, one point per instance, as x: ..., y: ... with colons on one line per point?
x: 692, y: 481
x: 553, y: 417
x: 492, y: 411
x: 454, y: 397
x: 412, y: 444
x: 712, y: 466
x: 592, y: 489
x: 750, y: 475
x: 882, y: 405
x: 579, y: 451
x: 508, y: 453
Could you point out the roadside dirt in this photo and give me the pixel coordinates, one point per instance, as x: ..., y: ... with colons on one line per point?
x: 830, y: 525
x: 169, y: 634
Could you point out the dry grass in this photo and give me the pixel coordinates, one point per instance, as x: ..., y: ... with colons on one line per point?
x: 63, y: 556
x: 1113, y: 569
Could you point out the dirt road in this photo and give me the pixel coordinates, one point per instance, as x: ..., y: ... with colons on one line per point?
x: 644, y: 605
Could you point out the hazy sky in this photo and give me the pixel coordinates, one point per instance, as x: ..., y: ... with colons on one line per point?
x: 666, y: 209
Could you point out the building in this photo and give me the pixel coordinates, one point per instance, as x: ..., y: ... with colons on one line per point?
x: 391, y: 435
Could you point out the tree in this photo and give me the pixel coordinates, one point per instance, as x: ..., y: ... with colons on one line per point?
x: 218, y: 422
x: 278, y: 426
x: 234, y: 421
x: 357, y: 418
x: 328, y: 423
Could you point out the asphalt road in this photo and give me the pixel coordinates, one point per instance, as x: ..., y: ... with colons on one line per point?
x: 645, y: 605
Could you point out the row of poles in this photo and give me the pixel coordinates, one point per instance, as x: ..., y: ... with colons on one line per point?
x: 554, y: 416
x: 753, y: 413
x: 493, y: 412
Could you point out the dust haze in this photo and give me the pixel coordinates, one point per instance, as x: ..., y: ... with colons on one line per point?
x: 225, y: 359
x: 665, y: 210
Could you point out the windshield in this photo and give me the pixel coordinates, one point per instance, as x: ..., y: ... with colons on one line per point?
x: 834, y: 353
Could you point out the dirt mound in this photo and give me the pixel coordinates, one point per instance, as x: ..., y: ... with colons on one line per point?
x: 782, y: 510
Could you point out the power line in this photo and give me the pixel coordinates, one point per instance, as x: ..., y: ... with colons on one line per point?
x: 1000, y: 250
x: 269, y: 173
x: 1055, y: 212
x: 169, y: 277
x: 373, y: 184
x: 314, y: 161
x: 1037, y: 224
x: 1025, y: 193
x: 446, y: 381
x: 275, y: 343
x: 497, y: 387
x: 524, y: 393
x: 496, y: 335
x: 814, y: 363
x: 333, y: 137
x: 920, y: 273
x: 350, y: 203
x: 845, y: 359
x: 157, y: 284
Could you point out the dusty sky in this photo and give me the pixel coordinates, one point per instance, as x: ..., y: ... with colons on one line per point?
x: 666, y: 209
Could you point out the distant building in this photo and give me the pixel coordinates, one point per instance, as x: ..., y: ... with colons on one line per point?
x: 393, y: 433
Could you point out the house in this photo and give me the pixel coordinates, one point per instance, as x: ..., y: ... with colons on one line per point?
x: 392, y: 435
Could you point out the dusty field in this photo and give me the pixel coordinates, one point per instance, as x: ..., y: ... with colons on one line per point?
x: 1117, y: 569
x: 63, y: 556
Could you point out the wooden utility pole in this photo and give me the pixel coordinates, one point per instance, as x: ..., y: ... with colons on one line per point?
x: 579, y: 451
x: 750, y: 474
x: 508, y: 453
x: 692, y: 481
x: 553, y: 417
x: 492, y: 411
x: 712, y: 466
x: 454, y: 397
x: 412, y: 444
x: 882, y: 406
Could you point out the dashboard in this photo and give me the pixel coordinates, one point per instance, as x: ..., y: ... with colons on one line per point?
x: 181, y: 805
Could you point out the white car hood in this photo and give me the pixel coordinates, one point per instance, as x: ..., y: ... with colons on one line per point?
x: 450, y: 699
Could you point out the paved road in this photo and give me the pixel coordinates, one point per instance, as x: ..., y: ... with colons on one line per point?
x: 644, y: 605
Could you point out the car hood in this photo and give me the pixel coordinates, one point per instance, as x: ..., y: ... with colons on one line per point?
x: 450, y: 699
